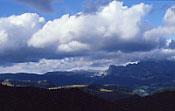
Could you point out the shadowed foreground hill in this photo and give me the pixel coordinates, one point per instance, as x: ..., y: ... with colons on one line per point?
x: 36, y: 99
x: 72, y: 99
x: 108, y: 92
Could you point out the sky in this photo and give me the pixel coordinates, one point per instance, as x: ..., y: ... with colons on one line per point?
x: 38, y: 36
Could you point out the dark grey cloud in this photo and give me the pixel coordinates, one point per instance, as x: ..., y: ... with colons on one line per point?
x: 40, y: 5
x: 91, y: 6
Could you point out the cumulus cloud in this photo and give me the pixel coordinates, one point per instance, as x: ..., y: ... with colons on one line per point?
x: 112, y: 34
x: 40, y: 5
x: 167, y: 28
x: 114, y: 27
x: 169, y: 18
x: 72, y: 46
x: 15, y: 31
x: 45, y: 65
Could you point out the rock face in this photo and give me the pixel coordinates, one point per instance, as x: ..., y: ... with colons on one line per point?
x: 143, y: 77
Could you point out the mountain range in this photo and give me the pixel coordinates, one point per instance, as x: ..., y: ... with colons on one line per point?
x: 142, y: 78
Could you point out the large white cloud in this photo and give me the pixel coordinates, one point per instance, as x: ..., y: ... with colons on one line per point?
x: 113, y: 25
x: 169, y: 18
x: 15, y: 31
x: 167, y: 28
x: 113, y: 34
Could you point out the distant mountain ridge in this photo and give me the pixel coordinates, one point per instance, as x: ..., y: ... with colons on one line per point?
x: 59, y: 78
x: 143, y: 77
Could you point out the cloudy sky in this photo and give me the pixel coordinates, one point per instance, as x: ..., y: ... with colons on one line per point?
x: 38, y: 36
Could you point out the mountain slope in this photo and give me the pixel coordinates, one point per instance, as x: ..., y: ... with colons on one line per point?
x: 108, y: 92
x: 36, y: 99
x: 143, y: 77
